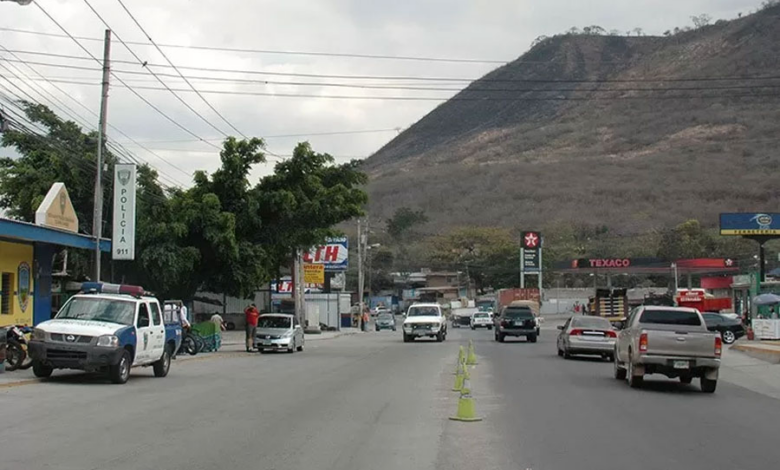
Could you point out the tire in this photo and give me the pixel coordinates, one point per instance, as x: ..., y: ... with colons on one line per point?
x: 728, y: 337
x: 263, y: 351
x: 189, y: 345
x: 707, y: 385
x: 41, y: 370
x: 230, y: 326
x: 560, y: 353
x: 473, y: 327
x: 163, y: 365
x: 393, y: 328
x: 566, y: 354
x: 406, y: 338
x: 377, y: 328
x: 299, y: 348
x: 500, y: 338
x: 120, y: 372
x: 634, y: 381
x: 439, y: 337
x: 531, y: 338
x: 489, y: 327
x: 620, y: 373
x: 14, y: 355
x: 199, y: 343
x: 686, y: 379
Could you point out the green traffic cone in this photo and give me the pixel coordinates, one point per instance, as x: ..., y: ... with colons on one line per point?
x: 466, y: 409
x: 472, y: 358
x: 461, y: 359
x: 458, y: 378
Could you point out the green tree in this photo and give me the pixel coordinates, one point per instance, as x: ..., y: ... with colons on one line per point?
x: 687, y: 240
x: 301, y: 202
x: 403, y: 222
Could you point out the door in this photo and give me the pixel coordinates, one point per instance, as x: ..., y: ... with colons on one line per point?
x: 158, y: 336
x: 144, y: 335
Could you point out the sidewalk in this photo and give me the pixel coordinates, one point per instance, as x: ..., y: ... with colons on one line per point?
x: 749, y: 372
x: 232, y: 344
x: 768, y: 351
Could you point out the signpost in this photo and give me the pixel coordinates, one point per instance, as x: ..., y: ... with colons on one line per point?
x: 531, y: 257
x: 313, y: 273
x: 758, y: 226
x: 123, y: 245
x: 57, y: 210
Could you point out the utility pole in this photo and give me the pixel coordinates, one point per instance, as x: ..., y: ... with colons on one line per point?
x: 360, y: 276
x: 97, y: 217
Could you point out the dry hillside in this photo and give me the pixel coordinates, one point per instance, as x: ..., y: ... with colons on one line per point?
x: 630, y: 132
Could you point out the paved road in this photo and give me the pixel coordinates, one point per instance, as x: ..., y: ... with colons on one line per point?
x: 369, y: 401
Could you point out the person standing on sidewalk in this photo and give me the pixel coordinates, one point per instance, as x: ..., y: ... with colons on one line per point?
x: 365, y: 320
x: 252, y: 314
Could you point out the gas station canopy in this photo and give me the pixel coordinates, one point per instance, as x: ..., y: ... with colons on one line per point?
x: 711, y: 266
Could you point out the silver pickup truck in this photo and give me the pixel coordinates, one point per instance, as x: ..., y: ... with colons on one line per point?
x: 672, y: 341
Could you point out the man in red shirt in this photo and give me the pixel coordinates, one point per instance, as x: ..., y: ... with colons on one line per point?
x: 252, y: 314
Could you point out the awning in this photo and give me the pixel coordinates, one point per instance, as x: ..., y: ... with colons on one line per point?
x: 14, y: 230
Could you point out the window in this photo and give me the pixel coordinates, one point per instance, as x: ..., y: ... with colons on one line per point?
x: 97, y: 309
x: 155, y: 313
x: 592, y: 322
x: 712, y: 319
x: 518, y: 313
x: 7, y: 293
x: 143, y: 316
x: 670, y: 317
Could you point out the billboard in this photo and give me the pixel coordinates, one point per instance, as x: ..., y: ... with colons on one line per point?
x: 334, y: 255
x: 313, y: 273
x: 750, y: 223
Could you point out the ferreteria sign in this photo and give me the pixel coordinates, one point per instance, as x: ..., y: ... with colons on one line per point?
x: 750, y: 223
x: 123, y: 243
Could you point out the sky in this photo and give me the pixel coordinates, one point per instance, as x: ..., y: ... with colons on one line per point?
x: 490, y: 31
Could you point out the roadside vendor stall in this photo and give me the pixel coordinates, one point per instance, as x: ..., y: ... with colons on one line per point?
x: 766, y: 324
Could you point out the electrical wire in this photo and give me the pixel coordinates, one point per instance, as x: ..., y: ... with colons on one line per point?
x: 174, y: 67
x: 147, y: 102
x: 278, y: 52
x: 142, y: 63
x: 429, y: 78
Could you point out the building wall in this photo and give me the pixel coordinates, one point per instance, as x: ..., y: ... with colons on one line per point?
x: 20, y: 307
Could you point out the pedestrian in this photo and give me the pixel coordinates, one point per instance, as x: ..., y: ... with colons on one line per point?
x: 365, y: 320
x: 577, y: 308
x: 217, y: 320
x: 252, y: 314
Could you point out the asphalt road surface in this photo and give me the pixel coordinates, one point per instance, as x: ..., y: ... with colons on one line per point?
x: 372, y: 402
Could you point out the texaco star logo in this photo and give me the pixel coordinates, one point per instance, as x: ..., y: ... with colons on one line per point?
x: 531, y: 240
x: 729, y: 262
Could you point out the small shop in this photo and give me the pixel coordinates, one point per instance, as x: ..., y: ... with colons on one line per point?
x: 26, y: 256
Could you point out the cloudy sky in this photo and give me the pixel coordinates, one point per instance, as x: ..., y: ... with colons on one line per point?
x: 483, y: 30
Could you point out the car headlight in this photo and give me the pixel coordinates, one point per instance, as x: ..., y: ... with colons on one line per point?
x: 38, y: 334
x: 108, y: 341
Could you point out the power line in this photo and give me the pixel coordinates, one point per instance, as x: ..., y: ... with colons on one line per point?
x: 176, y: 69
x: 162, y: 82
x: 442, y: 79
x: 470, y: 89
x: 463, y: 98
x: 148, y: 103
x: 279, y: 136
x: 298, y: 53
x: 85, y: 123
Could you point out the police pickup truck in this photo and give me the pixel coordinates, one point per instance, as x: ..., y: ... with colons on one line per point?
x: 106, y: 327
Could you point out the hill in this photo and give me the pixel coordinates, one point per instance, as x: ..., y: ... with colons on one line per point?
x: 635, y: 133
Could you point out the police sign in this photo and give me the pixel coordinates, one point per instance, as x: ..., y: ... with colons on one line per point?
x: 123, y: 237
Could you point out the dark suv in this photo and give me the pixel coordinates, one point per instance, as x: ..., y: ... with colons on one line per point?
x: 516, y: 321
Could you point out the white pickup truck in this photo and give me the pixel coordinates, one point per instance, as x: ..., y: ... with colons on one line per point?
x: 424, y: 320
x: 672, y: 341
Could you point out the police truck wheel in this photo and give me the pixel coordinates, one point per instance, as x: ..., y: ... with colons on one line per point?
x: 120, y: 372
x: 41, y: 370
x: 162, y: 366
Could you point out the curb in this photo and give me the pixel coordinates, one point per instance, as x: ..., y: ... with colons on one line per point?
x: 758, y: 352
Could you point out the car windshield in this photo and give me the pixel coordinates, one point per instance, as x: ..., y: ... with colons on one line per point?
x: 385, y: 317
x: 273, y: 322
x: 591, y: 322
x: 518, y: 313
x: 670, y: 317
x: 481, y: 315
x: 423, y: 312
x: 97, y: 309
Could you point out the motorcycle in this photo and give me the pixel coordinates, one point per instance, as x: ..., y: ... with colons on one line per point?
x: 191, y: 343
x: 16, y: 348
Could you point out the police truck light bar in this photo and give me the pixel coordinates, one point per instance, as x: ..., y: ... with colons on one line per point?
x: 106, y: 288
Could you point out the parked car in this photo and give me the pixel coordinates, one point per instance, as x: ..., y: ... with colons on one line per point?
x: 516, y: 321
x: 586, y: 335
x: 672, y: 341
x: 279, y: 332
x: 385, y: 321
x: 730, y: 329
x: 107, y: 327
x: 425, y: 320
x: 481, y: 320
